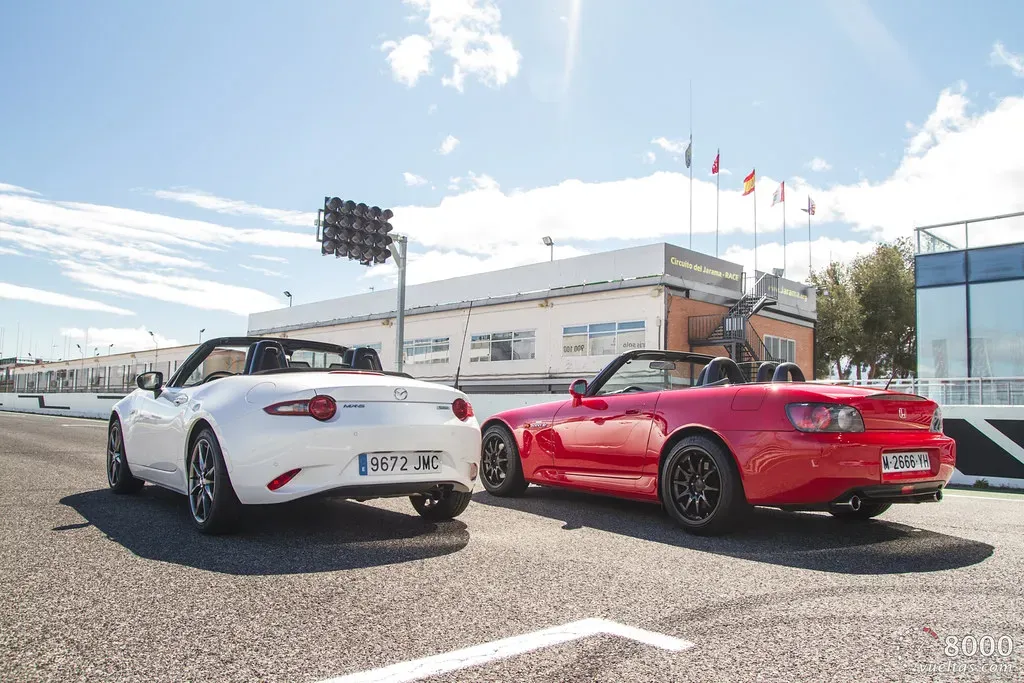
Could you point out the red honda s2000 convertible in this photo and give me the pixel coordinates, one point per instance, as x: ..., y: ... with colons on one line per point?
x: 688, y: 431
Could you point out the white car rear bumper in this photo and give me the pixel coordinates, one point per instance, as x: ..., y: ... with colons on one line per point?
x: 261, y: 447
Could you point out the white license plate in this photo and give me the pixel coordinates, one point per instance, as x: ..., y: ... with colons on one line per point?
x: 906, y: 462
x: 373, y: 464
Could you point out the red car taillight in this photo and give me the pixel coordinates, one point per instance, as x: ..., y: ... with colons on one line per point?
x: 319, y: 407
x: 462, y: 409
x: 824, y: 417
x: 280, y: 481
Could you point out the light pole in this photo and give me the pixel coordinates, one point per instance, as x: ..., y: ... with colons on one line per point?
x: 156, y: 347
x: 399, y: 254
x: 109, y: 348
x: 201, y: 335
x: 548, y: 242
x: 83, y: 362
x: 289, y: 295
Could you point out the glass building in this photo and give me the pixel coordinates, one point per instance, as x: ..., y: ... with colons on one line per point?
x: 970, y: 298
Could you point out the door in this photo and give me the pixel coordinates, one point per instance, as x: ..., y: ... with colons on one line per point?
x: 604, y: 435
x: 158, y: 439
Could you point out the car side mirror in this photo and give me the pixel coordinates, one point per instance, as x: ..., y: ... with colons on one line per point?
x: 150, y: 381
x: 578, y: 389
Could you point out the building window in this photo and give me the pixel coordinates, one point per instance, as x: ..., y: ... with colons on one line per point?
x: 603, y: 339
x: 427, y: 350
x: 780, y: 348
x: 997, y: 329
x: 503, y: 346
x: 942, y: 332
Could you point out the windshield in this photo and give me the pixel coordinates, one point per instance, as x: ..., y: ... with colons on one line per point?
x: 651, y: 375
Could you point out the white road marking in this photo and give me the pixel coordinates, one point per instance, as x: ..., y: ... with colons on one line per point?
x: 1006, y: 500
x: 509, y: 647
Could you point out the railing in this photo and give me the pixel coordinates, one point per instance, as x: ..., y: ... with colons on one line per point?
x: 701, y: 327
x: 767, y: 286
x: 998, y: 391
x: 755, y: 342
x: 981, y: 232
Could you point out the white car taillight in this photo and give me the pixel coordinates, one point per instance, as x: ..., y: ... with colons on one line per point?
x: 462, y: 409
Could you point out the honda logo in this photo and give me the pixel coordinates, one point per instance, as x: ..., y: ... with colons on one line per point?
x: 903, y: 413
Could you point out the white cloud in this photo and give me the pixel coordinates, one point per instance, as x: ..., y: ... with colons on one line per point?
x: 1002, y: 57
x: 124, y: 339
x: 431, y: 109
x: 970, y: 166
x: 272, y: 259
x: 819, y: 164
x: 234, y: 207
x: 14, y: 189
x: 949, y: 115
x: 45, y: 298
x: 262, y: 271
x: 448, y: 145
x: 409, y: 58
x: 10, y: 252
x: 187, y: 290
x: 468, y: 32
x: 770, y: 254
x: 412, y: 180
x: 671, y: 146
x: 483, y: 181
x: 649, y: 157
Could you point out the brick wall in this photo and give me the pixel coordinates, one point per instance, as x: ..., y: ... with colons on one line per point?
x: 681, y: 308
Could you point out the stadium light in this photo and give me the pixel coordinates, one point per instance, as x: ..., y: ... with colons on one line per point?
x: 363, y: 233
x: 548, y: 242
x: 356, y: 231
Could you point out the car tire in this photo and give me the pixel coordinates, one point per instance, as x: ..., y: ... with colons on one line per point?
x: 119, y: 474
x: 213, y: 506
x: 447, y: 505
x: 866, y: 511
x: 501, y: 469
x: 700, y: 487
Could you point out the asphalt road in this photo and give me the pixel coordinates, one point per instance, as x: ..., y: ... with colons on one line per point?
x: 101, y: 587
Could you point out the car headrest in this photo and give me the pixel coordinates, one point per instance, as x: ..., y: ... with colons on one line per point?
x: 765, y: 371
x: 270, y: 359
x: 298, y: 364
x: 722, y: 368
x: 363, y: 358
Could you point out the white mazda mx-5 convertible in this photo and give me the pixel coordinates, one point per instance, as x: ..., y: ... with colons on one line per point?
x: 256, y: 420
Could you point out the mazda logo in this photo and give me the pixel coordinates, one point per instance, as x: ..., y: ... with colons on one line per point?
x: 903, y: 413
x: 401, y: 394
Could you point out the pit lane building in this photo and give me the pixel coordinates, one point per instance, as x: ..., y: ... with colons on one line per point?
x: 534, y: 328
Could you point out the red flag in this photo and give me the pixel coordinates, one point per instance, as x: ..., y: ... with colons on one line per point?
x: 714, y: 166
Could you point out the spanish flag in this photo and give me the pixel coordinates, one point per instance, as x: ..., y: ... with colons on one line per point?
x: 748, y: 183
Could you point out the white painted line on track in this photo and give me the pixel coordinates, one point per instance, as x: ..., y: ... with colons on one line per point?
x: 967, y: 495
x: 510, y: 647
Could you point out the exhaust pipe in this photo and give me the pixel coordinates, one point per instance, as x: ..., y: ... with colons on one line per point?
x: 938, y: 495
x: 853, y: 503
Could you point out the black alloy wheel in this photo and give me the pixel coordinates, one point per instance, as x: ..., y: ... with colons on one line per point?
x: 700, y: 487
x: 501, y: 470
x: 119, y: 476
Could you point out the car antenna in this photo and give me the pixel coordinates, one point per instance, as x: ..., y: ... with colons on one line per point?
x: 462, y: 348
x: 891, y: 378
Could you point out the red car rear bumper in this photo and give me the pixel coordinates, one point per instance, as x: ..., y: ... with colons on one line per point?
x: 801, y: 469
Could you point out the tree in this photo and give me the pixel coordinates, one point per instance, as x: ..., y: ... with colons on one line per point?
x: 884, y: 283
x: 866, y: 314
x: 839, y: 316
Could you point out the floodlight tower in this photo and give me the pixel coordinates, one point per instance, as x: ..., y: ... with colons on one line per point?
x: 362, y: 233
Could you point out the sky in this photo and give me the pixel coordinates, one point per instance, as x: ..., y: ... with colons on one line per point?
x: 161, y: 164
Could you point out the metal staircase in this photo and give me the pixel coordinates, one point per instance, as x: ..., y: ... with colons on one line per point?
x: 733, y: 329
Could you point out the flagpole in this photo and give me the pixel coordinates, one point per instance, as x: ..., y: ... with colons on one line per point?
x: 718, y: 191
x: 808, y: 235
x: 783, y: 228
x: 755, y: 224
x: 690, y: 149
